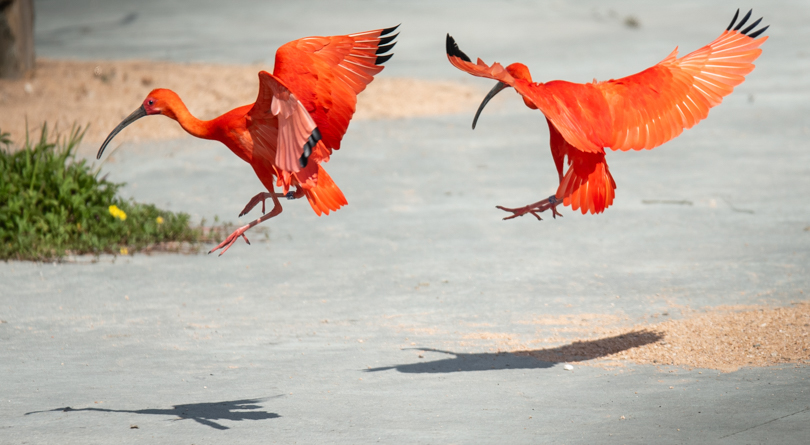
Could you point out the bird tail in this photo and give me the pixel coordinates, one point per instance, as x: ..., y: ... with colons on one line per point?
x: 588, y: 184
x: 326, y: 195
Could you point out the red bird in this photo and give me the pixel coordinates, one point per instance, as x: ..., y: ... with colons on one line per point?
x: 300, y: 116
x: 638, y: 112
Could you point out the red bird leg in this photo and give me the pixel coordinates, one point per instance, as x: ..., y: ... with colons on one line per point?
x: 225, y: 245
x: 538, y: 207
x: 261, y: 197
x: 299, y: 193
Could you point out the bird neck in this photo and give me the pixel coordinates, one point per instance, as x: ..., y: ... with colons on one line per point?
x: 192, y: 125
x: 529, y: 103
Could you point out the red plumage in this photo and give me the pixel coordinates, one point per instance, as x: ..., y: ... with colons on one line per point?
x: 637, y: 112
x: 300, y: 116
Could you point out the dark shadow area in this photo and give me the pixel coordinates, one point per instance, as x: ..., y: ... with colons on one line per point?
x: 203, y: 413
x: 529, y: 359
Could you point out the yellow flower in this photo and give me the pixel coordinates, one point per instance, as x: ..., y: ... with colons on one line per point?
x: 117, y: 213
x: 124, y: 251
x: 159, y: 220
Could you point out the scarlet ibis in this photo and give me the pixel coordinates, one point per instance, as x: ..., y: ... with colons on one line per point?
x: 300, y: 116
x: 637, y: 112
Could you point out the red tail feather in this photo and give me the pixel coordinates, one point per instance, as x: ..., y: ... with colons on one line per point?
x: 326, y: 195
x: 588, y: 184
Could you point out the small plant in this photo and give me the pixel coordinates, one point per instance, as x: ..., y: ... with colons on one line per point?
x: 52, y: 205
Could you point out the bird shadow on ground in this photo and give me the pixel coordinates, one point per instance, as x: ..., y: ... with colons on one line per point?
x: 527, y: 359
x: 203, y: 413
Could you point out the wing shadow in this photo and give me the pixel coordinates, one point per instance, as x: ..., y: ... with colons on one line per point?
x: 528, y: 359
x: 202, y: 413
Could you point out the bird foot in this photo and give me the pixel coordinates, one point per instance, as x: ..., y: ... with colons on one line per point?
x: 259, y: 198
x: 535, y: 209
x: 225, y: 245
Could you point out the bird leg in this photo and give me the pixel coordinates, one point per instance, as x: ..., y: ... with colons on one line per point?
x: 261, y: 197
x: 225, y: 245
x: 540, y: 206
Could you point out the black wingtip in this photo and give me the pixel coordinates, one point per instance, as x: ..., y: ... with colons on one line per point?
x: 311, y: 142
x: 734, y: 19
x: 750, y: 27
x: 382, y: 59
x: 453, y: 50
x: 744, y: 19
x: 754, y: 35
x: 385, y: 44
x: 385, y: 40
x: 384, y: 48
x: 387, y: 31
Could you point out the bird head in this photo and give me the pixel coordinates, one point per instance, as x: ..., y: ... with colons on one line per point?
x: 159, y: 101
x: 518, y: 71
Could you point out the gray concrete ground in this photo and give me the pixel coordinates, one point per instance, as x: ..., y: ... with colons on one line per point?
x: 362, y: 326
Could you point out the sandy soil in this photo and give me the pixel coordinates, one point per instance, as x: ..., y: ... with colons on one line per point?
x: 728, y: 338
x: 724, y: 338
x: 100, y: 94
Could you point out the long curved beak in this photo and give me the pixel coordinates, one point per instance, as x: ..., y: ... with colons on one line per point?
x: 137, y: 114
x: 495, y: 90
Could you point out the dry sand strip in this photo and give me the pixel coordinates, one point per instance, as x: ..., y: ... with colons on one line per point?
x: 101, y: 93
x: 727, y: 339
x: 723, y: 338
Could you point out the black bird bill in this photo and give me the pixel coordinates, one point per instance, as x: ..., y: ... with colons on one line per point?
x: 137, y: 114
x: 497, y: 89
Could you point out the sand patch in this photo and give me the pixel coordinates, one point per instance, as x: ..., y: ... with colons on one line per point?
x: 723, y: 338
x: 101, y: 93
x: 728, y: 339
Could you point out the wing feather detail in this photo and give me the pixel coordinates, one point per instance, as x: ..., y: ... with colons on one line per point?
x: 327, y: 73
x: 641, y: 111
x: 657, y: 104
x: 287, y: 146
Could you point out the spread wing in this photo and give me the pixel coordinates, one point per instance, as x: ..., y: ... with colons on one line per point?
x: 480, y: 69
x: 289, y: 143
x: 640, y: 111
x: 655, y: 105
x: 327, y: 73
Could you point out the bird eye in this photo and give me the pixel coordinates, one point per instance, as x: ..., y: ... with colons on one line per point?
x: 151, y: 101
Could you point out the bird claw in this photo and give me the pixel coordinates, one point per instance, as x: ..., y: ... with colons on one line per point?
x: 261, y: 197
x: 535, y: 209
x: 518, y: 212
x: 225, y: 245
x: 290, y: 195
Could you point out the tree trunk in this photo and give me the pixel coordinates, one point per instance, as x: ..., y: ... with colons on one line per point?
x: 16, y: 38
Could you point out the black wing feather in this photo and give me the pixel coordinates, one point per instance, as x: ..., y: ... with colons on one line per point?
x: 453, y: 50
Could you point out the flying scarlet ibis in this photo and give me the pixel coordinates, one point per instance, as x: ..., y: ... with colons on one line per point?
x: 300, y: 116
x: 637, y: 112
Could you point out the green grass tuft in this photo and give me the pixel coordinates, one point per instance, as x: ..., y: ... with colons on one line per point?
x: 52, y: 205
